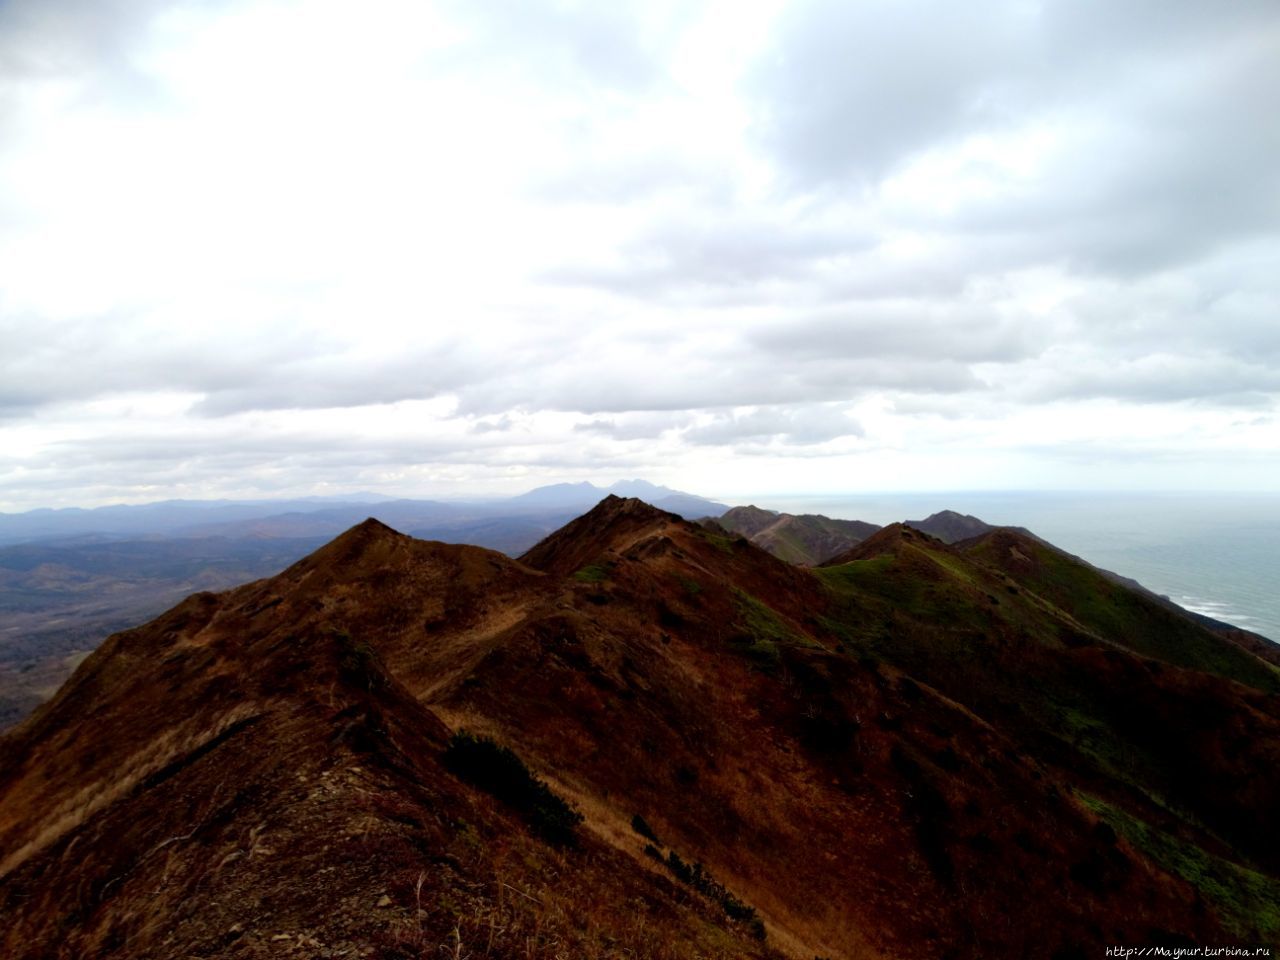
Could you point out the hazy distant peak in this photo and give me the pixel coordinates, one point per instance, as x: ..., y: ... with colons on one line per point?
x: 639, y: 488
x: 950, y: 526
x: 748, y: 520
x: 584, y: 495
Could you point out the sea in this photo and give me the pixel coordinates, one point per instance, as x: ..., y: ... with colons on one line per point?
x: 1217, y: 554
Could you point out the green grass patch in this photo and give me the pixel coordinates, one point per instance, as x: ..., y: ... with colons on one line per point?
x: 791, y: 547
x: 1247, y: 902
x: 850, y: 577
x: 1135, y: 621
x: 759, y: 621
x: 593, y: 573
x: 722, y: 542
x: 954, y: 566
x: 760, y: 631
x: 691, y: 586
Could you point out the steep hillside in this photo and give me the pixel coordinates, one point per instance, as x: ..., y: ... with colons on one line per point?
x: 1121, y: 695
x: 1134, y: 617
x: 873, y: 759
x: 807, y: 539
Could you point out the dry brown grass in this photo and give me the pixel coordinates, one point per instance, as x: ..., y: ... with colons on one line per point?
x: 65, y: 816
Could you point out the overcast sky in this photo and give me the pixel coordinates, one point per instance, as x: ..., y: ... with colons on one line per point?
x: 269, y: 248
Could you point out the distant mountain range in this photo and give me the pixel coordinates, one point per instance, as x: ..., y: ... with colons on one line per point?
x: 812, y: 539
x: 550, y: 506
x: 74, y: 576
x: 650, y: 738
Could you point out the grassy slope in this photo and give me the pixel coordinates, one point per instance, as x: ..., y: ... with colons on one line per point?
x: 1012, y: 654
x: 807, y: 539
x: 1117, y: 613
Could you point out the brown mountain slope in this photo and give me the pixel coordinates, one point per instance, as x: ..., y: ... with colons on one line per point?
x: 166, y: 802
x: 807, y: 539
x: 246, y: 777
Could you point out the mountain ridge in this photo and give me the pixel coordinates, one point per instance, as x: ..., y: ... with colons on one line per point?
x: 669, y: 681
x: 807, y: 539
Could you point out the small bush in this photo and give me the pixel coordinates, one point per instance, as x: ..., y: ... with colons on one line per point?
x: 679, y: 869
x: 357, y: 662
x: 497, y: 770
x: 697, y: 877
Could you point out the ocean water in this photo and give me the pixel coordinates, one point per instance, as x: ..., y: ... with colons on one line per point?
x: 1217, y: 554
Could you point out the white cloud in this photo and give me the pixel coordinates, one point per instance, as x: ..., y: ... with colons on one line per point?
x: 424, y: 247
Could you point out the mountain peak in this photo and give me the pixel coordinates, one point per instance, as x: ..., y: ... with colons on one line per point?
x: 950, y: 526
x: 366, y: 532
x: 888, y: 539
x: 367, y: 538
x: 610, y: 525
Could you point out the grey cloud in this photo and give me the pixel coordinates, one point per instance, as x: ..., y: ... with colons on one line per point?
x: 497, y: 425
x: 1182, y: 170
x: 850, y: 89
x: 904, y: 329
x: 92, y: 41
x: 287, y: 369
x: 1203, y: 315
x: 211, y: 456
x: 338, y: 382
x: 40, y: 38
x: 1160, y: 378
x: 730, y: 377
x: 791, y: 426
x: 633, y: 426
x: 58, y: 362
x: 1093, y: 32
x: 233, y: 447
x: 787, y: 293
x: 586, y: 46
x: 1181, y: 151
x: 717, y: 248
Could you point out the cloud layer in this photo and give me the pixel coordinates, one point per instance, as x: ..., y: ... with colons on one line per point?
x: 261, y: 246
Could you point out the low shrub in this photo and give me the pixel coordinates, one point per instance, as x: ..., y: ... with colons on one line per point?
x: 697, y: 877
x: 497, y: 770
x: 641, y: 826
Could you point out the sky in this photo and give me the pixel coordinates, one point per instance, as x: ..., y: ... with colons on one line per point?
x: 304, y: 247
